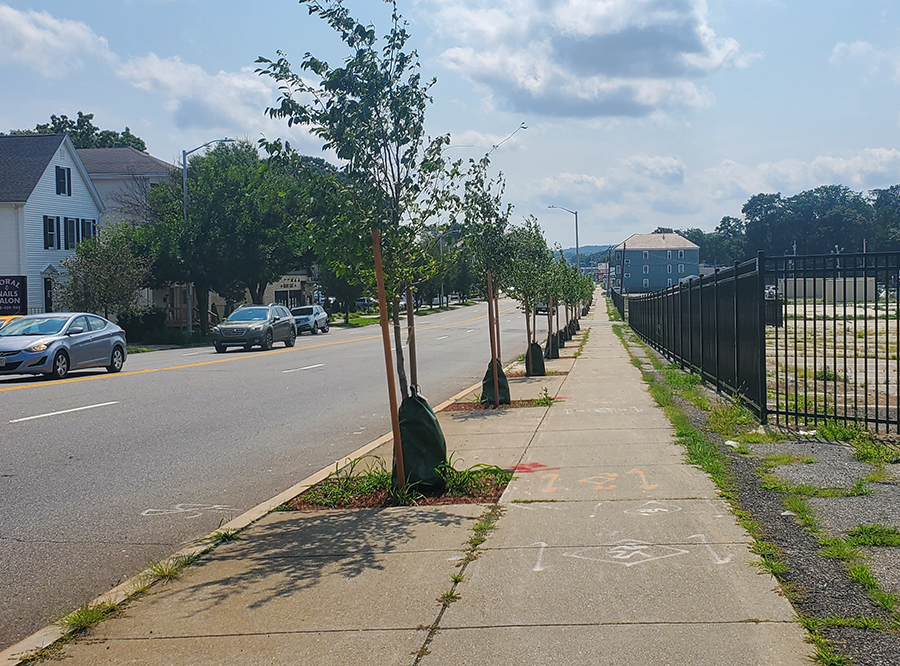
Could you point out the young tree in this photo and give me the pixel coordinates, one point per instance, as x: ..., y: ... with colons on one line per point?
x: 371, y: 113
x: 529, y: 267
x: 105, y: 274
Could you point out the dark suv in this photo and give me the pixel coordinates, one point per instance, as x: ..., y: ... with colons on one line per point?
x: 250, y: 325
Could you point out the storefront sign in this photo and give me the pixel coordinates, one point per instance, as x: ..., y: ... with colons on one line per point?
x: 13, y: 295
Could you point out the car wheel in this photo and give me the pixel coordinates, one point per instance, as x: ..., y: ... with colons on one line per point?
x: 325, y: 328
x: 116, y: 361
x: 220, y: 348
x: 60, y: 365
x: 315, y: 328
x: 268, y: 341
x: 292, y: 337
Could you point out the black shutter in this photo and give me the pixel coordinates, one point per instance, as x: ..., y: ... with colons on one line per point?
x: 60, y: 180
x: 48, y: 232
x: 57, y: 234
x: 68, y: 182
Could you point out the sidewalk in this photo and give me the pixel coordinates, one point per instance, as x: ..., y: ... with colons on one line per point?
x: 609, y: 550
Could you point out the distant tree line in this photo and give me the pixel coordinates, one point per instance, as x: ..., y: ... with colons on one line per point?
x: 819, y: 221
x: 84, y: 134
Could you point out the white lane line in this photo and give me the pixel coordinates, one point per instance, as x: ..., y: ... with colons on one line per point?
x: 443, y: 337
x: 65, y: 411
x: 193, y: 353
x: 471, y: 330
x: 308, y: 367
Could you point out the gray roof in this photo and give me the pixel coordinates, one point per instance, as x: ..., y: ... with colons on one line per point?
x: 23, y: 160
x: 119, y: 162
x: 657, y: 242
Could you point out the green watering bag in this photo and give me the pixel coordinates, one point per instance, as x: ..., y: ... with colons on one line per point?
x: 424, y: 448
x: 534, y: 362
x: 487, y: 386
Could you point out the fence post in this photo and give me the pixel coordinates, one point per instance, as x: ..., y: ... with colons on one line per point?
x: 761, y: 315
x: 737, y: 342
x: 716, y: 330
x: 700, y: 316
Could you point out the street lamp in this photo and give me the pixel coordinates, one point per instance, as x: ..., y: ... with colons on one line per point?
x: 575, y: 213
x: 184, y: 210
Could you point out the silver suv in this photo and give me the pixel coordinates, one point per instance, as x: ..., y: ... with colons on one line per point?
x: 312, y: 318
x: 250, y: 325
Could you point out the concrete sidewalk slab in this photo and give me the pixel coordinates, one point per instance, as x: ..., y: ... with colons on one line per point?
x: 569, y: 417
x: 676, y: 644
x: 644, y: 455
x: 491, y: 421
x: 613, y: 482
x: 618, y: 435
x: 692, y: 524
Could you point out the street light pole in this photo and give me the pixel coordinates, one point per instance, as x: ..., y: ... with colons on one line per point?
x: 575, y: 213
x: 184, y: 210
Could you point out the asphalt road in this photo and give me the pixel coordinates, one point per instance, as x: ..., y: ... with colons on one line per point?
x: 101, y: 474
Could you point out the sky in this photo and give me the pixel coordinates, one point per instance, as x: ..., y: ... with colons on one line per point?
x: 639, y: 113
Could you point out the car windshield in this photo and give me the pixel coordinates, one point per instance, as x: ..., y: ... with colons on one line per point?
x: 34, y: 326
x: 249, y: 314
x: 299, y: 312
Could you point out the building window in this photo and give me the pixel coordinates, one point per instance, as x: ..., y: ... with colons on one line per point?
x: 646, y: 254
x: 628, y: 262
x: 69, y: 230
x: 669, y: 268
x: 618, y: 256
x: 49, y: 232
x: 681, y: 254
x: 627, y: 275
x: 669, y: 282
x: 88, y: 229
x: 646, y: 269
x: 646, y: 283
x: 668, y: 254
x: 681, y: 268
x: 64, y: 181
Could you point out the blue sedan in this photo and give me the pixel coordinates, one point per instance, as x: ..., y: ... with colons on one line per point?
x: 55, y: 343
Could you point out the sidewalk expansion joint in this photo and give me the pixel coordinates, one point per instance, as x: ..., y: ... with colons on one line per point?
x: 686, y: 623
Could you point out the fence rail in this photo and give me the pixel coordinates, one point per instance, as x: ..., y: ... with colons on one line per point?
x: 801, y: 339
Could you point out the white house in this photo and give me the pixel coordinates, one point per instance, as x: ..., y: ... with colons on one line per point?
x: 48, y: 204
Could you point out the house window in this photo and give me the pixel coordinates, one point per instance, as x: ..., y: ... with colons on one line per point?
x: 88, y: 229
x: 681, y: 254
x: 668, y: 254
x: 669, y: 268
x: 646, y: 283
x: 49, y: 232
x: 69, y: 226
x: 64, y: 181
x: 646, y: 269
x: 681, y: 268
x: 646, y: 254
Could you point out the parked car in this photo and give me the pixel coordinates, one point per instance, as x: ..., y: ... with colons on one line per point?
x: 541, y: 308
x: 365, y: 304
x: 55, y: 343
x: 5, y: 319
x: 251, y: 325
x: 312, y: 318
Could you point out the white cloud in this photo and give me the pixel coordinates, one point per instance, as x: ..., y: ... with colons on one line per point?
x: 573, y: 183
x: 585, y: 58
x: 51, y: 46
x: 875, y: 60
x: 666, y: 169
x: 225, y: 100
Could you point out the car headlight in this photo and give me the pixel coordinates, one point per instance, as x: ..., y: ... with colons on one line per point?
x: 257, y: 327
x: 39, y: 347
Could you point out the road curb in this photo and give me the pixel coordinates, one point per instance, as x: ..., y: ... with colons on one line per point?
x: 45, y: 637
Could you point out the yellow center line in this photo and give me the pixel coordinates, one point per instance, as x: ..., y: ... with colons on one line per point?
x: 227, y: 360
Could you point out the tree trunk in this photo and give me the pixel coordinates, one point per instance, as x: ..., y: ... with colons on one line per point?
x: 258, y: 292
x: 398, y: 350
x: 497, y: 322
x: 202, y: 291
x: 529, y: 359
x: 411, y: 339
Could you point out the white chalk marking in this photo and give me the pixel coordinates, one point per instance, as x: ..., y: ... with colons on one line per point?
x: 653, y: 507
x: 190, y: 510
x: 716, y: 558
x: 627, y: 552
x: 539, y: 566
x: 599, y: 504
x: 65, y: 411
x: 308, y: 367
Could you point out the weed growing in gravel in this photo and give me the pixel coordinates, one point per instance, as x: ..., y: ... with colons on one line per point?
x: 874, y: 535
x: 876, y: 453
x: 862, y: 575
x: 731, y: 419
x: 840, y: 549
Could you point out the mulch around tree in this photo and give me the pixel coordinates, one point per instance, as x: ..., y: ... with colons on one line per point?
x: 478, y: 407
x: 381, y: 498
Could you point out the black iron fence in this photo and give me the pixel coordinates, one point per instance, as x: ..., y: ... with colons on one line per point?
x: 802, y: 340
x: 619, y: 301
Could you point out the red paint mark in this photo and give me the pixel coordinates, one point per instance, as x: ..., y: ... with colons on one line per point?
x: 531, y: 468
